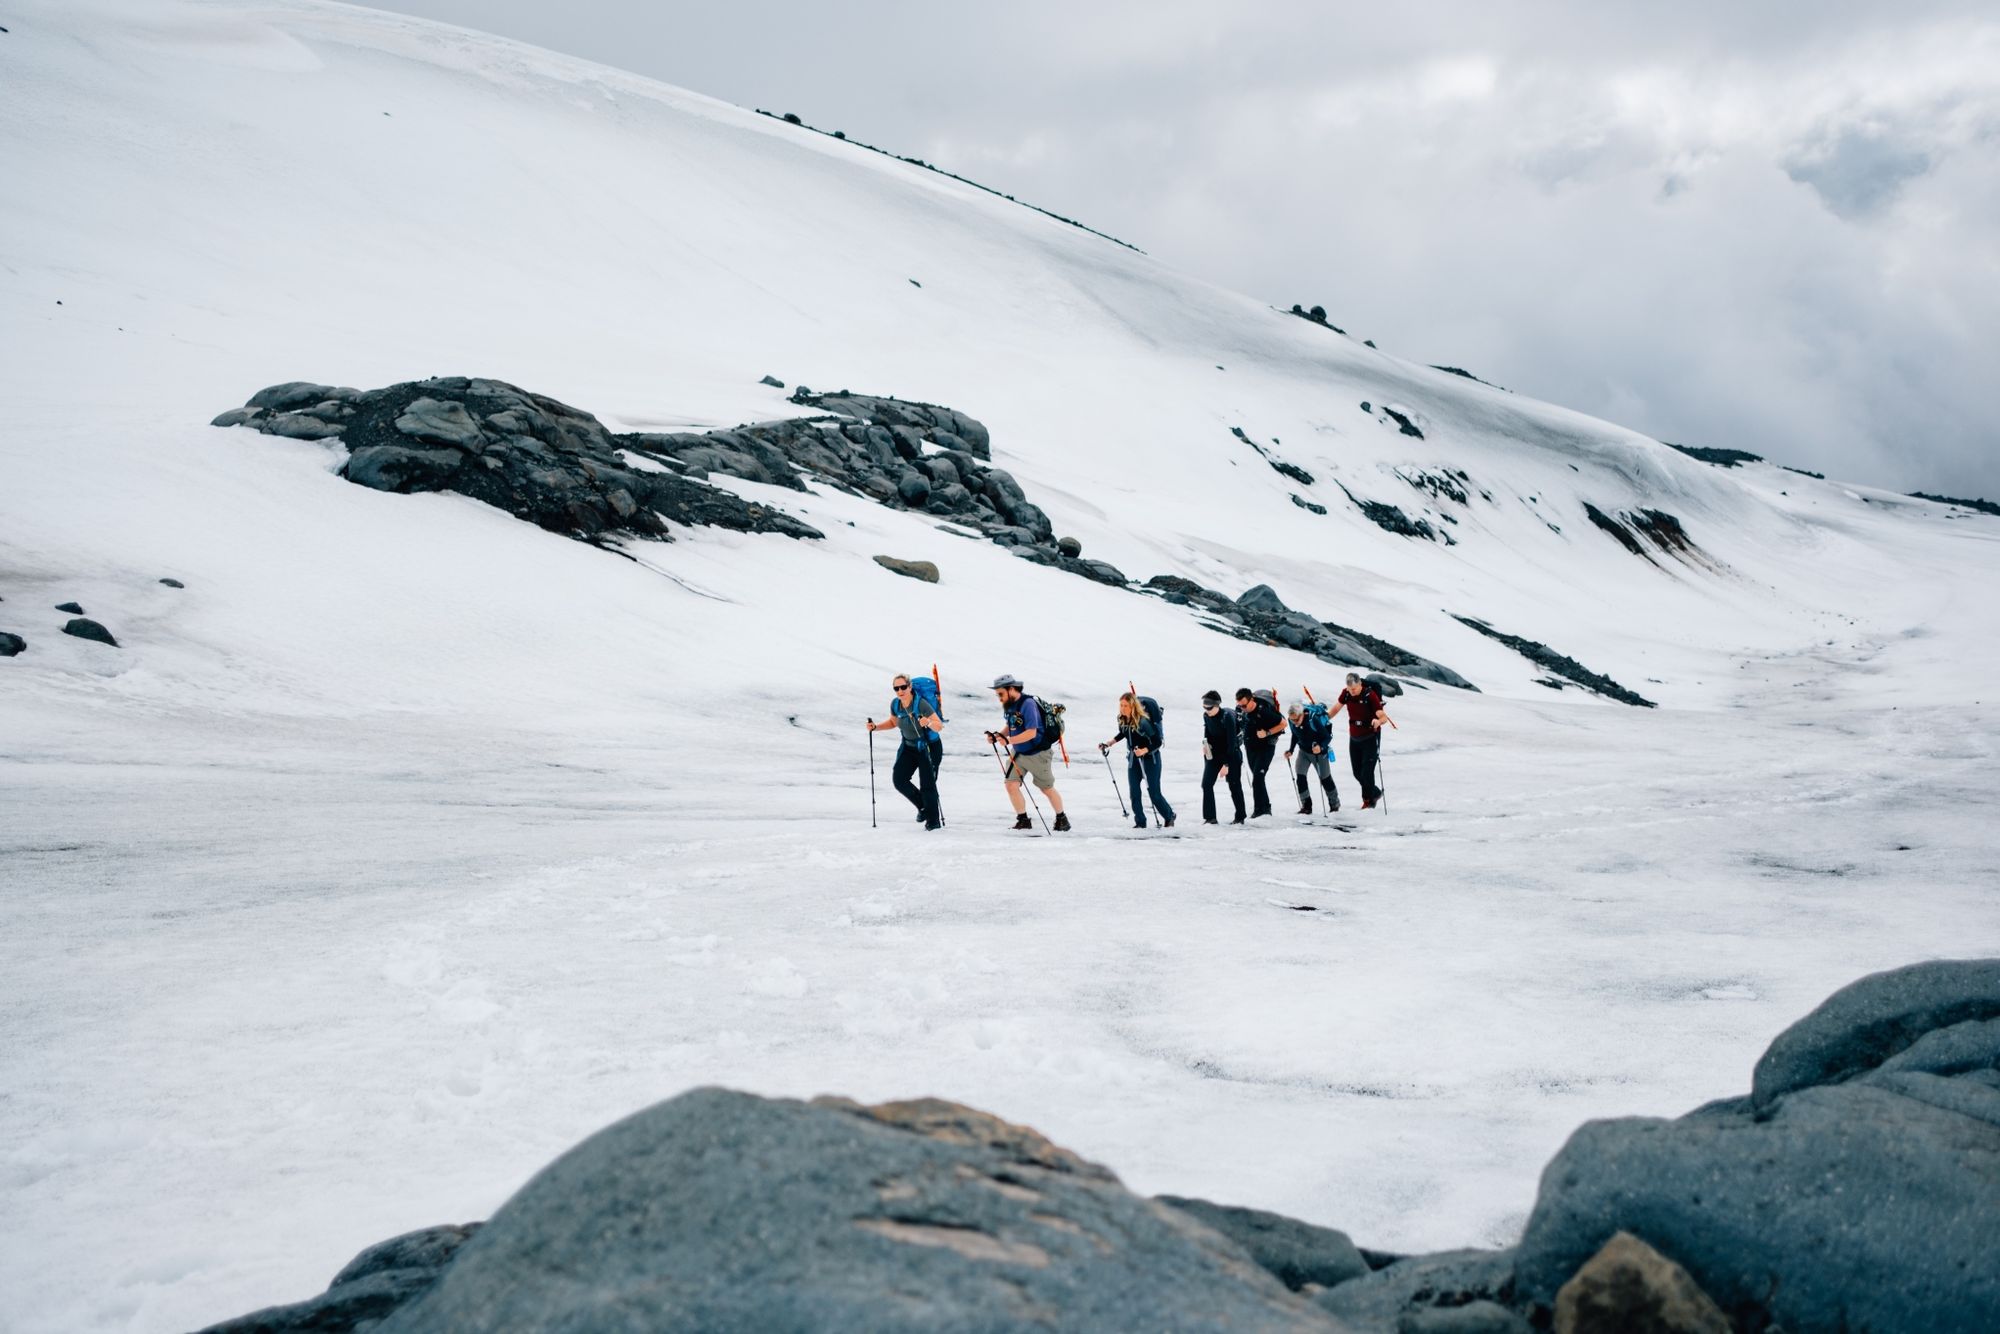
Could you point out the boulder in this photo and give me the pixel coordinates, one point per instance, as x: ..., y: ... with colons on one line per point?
x: 74, y: 609
x: 1264, y: 598
x: 913, y: 569
x: 724, y: 1211
x: 298, y: 426
x: 1296, y: 1253
x: 1867, y: 1022
x: 11, y: 644
x: 391, y: 468
x: 373, y: 1285
x: 1070, y: 547
x: 915, y: 489
x: 1846, y: 1206
x: 237, y: 417
x: 773, y: 381
x: 1480, y: 1317
x: 290, y: 395
x: 439, y: 421
x: 1630, y: 1288
x: 84, y: 628
x: 1419, y: 1285
x: 1388, y: 687
x: 173, y: 583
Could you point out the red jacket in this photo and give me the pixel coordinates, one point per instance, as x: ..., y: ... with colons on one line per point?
x: 1361, y: 709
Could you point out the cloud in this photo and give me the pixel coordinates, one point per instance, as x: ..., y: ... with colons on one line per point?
x: 1765, y: 226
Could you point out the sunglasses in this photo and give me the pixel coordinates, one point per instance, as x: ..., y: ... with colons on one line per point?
x: 903, y: 688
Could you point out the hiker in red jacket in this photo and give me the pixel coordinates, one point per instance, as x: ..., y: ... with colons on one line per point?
x: 1365, y: 717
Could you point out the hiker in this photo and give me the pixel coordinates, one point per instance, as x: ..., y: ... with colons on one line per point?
x: 1139, y: 728
x: 1031, y: 739
x: 1365, y: 717
x: 915, y: 713
x: 1262, y: 725
x: 1312, y: 740
x: 1222, y: 756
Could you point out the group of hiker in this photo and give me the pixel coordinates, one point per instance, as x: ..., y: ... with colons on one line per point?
x: 1245, y: 736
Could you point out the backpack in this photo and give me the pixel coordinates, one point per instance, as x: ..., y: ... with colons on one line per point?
x: 925, y: 688
x: 1153, y: 712
x: 1052, y: 723
x: 1318, y: 722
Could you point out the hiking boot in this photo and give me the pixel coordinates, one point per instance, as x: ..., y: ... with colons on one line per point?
x: 1332, y: 800
x: 1305, y: 806
x: 1022, y: 821
x: 1138, y: 824
x: 933, y: 824
x: 1237, y: 820
x: 1368, y: 804
x: 1168, y: 823
x: 1062, y: 822
x: 1209, y: 822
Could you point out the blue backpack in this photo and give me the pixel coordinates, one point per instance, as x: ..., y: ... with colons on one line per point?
x: 1318, y: 725
x: 923, y: 688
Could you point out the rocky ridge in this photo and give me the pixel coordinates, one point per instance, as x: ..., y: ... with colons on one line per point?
x: 1854, y: 1190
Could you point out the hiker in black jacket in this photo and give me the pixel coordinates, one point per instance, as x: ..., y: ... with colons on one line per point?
x: 1140, y: 730
x: 1222, y: 756
x: 1263, y: 724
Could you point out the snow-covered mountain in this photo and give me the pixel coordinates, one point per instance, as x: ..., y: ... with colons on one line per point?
x: 407, y: 841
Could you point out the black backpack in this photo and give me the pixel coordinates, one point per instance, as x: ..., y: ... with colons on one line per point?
x: 1154, y: 715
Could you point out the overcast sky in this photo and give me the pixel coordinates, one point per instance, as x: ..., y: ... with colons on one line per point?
x: 1771, y: 226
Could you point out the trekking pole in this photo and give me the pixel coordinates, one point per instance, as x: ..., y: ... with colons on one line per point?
x: 1113, y: 773
x: 871, y: 775
x: 1025, y: 788
x: 1382, y: 777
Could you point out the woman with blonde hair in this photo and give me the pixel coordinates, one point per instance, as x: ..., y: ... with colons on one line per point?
x: 1139, y: 729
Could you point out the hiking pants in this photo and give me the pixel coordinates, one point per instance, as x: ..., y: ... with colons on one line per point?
x: 1147, y: 766
x: 1259, y: 754
x: 1209, y: 770
x: 1362, y: 752
x: 1302, y: 760
x: 923, y: 793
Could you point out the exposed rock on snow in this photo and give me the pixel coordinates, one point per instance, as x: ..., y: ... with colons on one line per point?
x: 1661, y: 529
x: 85, y: 628
x: 11, y: 644
x: 720, y: 1210
x: 1721, y: 458
x: 1926, y: 1017
x: 72, y: 608
x: 913, y: 569
x: 1262, y: 616
x: 530, y: 455
x: 173, y: 583
x: 1296, y: 1253
x: 1069, y: 546
x: 772, y: 381
x: 1849, y: 1192
x: 1566, y: 667
x: 1630, y: 1288
x: 1391, y: 519
x: 372, y: 1286
x: 1861, y: 1204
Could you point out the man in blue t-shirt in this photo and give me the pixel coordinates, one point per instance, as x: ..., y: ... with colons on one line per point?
x: 1028, y: 738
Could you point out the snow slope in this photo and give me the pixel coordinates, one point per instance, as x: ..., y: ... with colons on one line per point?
x: 408, y: 843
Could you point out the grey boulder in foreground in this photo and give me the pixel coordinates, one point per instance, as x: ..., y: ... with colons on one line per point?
x: 1866, y: 1198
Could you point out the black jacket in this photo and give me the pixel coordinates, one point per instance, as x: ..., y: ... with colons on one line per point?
x: 1222, y: 741
x: 1263, y: 717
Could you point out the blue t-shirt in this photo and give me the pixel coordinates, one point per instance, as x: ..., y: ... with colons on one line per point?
x: 1024, y: 715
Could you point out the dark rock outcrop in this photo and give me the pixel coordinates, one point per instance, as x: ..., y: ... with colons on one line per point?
x: 173, y: 583
x: 1854, y: 1190
x: 719, y: 1210
x: 70, y: 607
x: 1261, y: 616
x: 1391, y: 519
x: 372, y: 1286
x: 1721, y: 458
x: 1630, y: 1288
x: 909, y: 569
x: 1413, y: 1288
x: 11, y: 644
x: 1964, y: 502
x: 85, y: 628
x: 1662, y: 530
x: 1561, y: 664
x: 537, y: 458
x: 1879, y: 1022
x: 1296, y: 1253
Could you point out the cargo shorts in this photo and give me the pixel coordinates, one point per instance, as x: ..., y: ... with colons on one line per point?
x: 1040, y: 766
